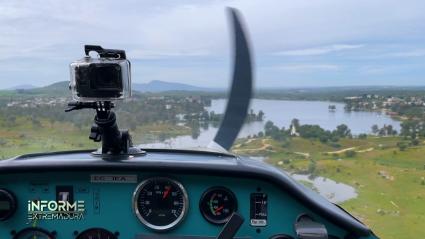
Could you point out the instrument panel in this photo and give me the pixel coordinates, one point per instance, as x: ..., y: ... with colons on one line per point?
x: 116, y: 205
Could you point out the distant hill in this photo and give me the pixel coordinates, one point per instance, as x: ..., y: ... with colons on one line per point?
x: 58, y: 88
x: 61, y: 88
x: 161, y: 86
x: 22, y: 87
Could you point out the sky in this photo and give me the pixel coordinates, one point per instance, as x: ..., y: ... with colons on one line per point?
x: 297, y: 43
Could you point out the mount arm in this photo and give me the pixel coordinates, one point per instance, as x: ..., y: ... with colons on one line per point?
x: 105, y: 129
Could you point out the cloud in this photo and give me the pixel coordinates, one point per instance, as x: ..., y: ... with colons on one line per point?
x: 52, y: 32
x: 393, y: 69
x: 147, y: 55
x: 318, y: 50
x: 411, y: 53
x: 309, y: 67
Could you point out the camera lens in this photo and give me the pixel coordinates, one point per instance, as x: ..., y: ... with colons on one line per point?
x: 106, y: 77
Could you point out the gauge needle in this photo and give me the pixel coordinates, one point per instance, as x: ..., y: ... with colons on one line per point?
x: 219, y: 209
x: 166, y: 193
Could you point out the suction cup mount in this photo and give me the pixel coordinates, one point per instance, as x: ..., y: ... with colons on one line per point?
x: 115, y: 142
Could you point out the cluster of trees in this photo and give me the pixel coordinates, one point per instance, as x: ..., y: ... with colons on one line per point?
x: 212, y: 116
x: 316, y: 132
x: 252, y: 116
x: 386, y: 130
x: 409, y: 111
x: 412, y: 129
x: 140, y: 110
x: 271, y: 130
x: 352, y: 105
x: 203, y: 119
x: 306, y: 131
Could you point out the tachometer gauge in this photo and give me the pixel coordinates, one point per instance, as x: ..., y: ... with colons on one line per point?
x: 160, y: 203
x: 217, y: 205
x: 33, y: 233
x: 96, y: 233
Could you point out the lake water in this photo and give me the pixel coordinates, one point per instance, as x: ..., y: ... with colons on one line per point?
x: 328, y: 188
x: 281, y: 112
x: 333, y: 191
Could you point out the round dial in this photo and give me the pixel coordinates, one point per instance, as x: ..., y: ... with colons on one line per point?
x: 217, y: 205
x: 160, y: 203
x: 7, y: 204
x: 33, y: 233
x: 96, y: 233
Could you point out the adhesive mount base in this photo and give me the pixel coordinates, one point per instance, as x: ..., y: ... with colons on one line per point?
x: 132, y: 152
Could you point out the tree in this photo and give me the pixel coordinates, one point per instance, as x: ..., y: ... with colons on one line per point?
x: 260, y: 116
x: 382, y: 132
x: 343, y: 131
x: 389, y: 129
x: 310, y: 131
x: 375, y: 129
x: 409, y: 128
x: 414, y: 142
x: 268, y: 127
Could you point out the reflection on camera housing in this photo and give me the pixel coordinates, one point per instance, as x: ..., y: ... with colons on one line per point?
x: 100, y: 79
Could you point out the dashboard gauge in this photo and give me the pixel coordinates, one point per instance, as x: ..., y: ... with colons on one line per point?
x: 96, y: 233
x: 7, y: 204
x: 217, y: 205
x: 160, y: 203
x: 33, y: 233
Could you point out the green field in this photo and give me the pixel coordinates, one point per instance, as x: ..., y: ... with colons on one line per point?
x: 390, y: 182
x: 47, y: 136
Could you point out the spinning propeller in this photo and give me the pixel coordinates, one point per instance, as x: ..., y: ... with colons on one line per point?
x: 241, y: 89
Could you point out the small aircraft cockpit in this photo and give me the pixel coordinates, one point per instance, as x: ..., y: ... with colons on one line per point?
x: 123, y: 191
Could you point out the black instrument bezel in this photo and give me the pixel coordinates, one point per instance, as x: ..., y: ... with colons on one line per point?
x: 33, y: 229
x: 113, y: 235
x: 204, y: 197
x: 176, y: 222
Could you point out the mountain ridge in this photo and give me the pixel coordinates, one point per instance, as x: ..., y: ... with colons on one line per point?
x: 155, y: 86
x: 162, y: 86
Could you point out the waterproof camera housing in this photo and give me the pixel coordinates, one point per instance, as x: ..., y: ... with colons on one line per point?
x: 106, y: 78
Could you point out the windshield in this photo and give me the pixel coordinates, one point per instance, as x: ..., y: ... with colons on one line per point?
x: 339, y: 98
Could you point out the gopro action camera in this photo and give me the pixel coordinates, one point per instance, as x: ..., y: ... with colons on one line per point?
x: 106, y: 78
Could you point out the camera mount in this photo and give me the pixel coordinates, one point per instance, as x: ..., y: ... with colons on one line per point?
x: 105, y: 53
x: 105, y: 130
x: 95, y: 83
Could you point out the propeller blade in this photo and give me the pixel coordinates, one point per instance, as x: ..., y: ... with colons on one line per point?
x: 241, y: 90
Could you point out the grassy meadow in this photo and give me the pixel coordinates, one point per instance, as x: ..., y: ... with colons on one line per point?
x: 390, y: 183
x: 25, y: 136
